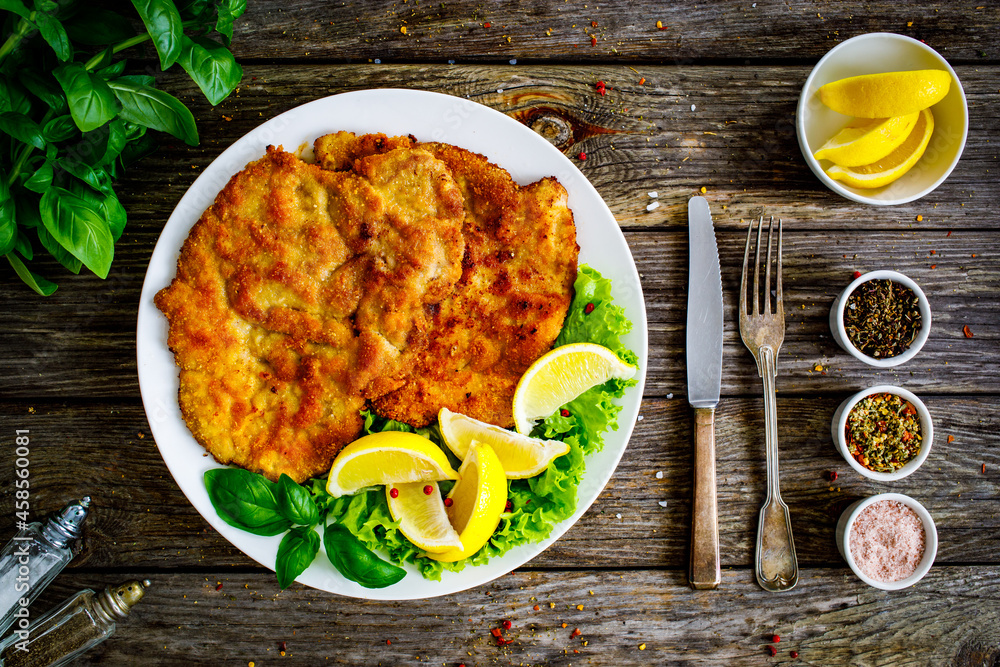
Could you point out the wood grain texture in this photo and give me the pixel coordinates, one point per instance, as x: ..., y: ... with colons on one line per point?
x: 140, y: 517
x: 624, y: 617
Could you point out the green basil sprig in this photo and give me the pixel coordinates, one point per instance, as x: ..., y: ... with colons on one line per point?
x: 257, y: 505
x: 71, y: 120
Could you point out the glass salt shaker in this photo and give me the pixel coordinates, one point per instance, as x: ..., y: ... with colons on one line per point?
x: 74, y: 627
x: 33, y: 558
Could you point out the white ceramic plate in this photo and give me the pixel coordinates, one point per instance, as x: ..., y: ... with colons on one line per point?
x: 429, y: 117
x: 874, y: 53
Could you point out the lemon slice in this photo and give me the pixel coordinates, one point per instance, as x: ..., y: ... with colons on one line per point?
x: 478, y: 500
x: 521, y: 456
x: 867, y: 140
x: 561, y: 375
x: 391, y: 457
x: 421, y: 516
x: 887, y: 94
x: 892, y: 166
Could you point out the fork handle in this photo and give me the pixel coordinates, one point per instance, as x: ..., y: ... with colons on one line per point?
x: 705, y: 571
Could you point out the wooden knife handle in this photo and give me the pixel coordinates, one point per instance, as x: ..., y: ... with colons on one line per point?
x: 705, y: 571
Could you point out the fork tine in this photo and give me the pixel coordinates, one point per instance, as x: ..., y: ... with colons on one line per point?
x: 767, y: 269
x: 778, y: 303
x: 756, y: 269
x: 743, y: 280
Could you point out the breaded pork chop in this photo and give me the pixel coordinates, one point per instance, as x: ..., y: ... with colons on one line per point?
x: 509, y: 305
x: 301, y: 289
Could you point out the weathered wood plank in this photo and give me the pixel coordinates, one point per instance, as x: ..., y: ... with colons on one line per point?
x: 492, y: 31
x: 624, y: 617
x: 81, y: 341
x: 140, y: 516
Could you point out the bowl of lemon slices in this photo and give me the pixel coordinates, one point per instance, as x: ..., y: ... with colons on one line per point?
x: 882, y: 119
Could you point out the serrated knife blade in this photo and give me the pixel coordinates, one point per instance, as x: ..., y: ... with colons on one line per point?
x: 704, y: 377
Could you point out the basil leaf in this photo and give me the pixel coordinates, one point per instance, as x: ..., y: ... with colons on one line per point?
x: 137, y: 149
x: 81, y: 171
x: 79, y: 228
x: 195, y: 10
x: 295, y: 503
x: 91, y: 102
x: 97, y: 27
x: 156, y: 109
x: 60, y: 128
x: 40, y: 180
x: 229, y: 11
x: 54, y: 33
x: 8, y: 226
x: 23, y: 245
x: 104, y: 144
x: 31, y: 279
x: 27, y: 212
x: 138, y: 79
x: 245, y: 500
x: 356, y: 561
x: 15, y: 6
x: 22, y: 128
x: 163, y: 22
x: 211, y: 66
x: 105, y: 59
x: 111, y: 71
x: 13, y: 97
x: 44, y: 88
x: 106, y: 202
x: 298, y: 548
x: 60, y: 253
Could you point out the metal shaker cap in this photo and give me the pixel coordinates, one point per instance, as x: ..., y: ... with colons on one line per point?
x: 66, y: 525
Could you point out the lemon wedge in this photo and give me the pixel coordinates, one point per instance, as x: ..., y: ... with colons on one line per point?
x: 478, y: 500
x: 867, y: 140
x: 521, y: 456
x: 390, y: 457
x: 561, y: 375
x: 887, y: 94
x: 421, y: 516
x: 892, y: 166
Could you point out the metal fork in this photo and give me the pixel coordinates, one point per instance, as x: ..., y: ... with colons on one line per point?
x: 763, y: 332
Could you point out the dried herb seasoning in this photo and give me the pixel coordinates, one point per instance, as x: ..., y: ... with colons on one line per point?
x: 882, y: 318
x: 883, y: 432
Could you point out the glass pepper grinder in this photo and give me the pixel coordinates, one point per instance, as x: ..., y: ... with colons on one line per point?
x: 33, y: 558
x: 77, y: 625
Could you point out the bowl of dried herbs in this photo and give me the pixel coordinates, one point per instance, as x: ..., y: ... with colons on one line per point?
x: 884, y: 432
x: 882, y: 318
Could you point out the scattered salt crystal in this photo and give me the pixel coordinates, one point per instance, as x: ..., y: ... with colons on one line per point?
x: 693, y: 107
x: 654, y: 194
x: 754, y: 5
x: 499, y: 90
x: 653, y: 206
x: 662, y: 503
x: 451, y: 62
x: 513, y: 61
x: 378, y: 61
x: 670, y: 395
x: 639, y: 418
x: 659, y: 475
x: 618, y: 516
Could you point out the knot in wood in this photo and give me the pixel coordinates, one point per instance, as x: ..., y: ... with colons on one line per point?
x: 556, y: 130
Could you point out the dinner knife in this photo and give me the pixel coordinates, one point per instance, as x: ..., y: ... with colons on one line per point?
x: 704, y: 381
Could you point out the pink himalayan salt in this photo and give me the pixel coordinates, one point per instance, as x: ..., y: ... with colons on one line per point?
x: 887, y: 541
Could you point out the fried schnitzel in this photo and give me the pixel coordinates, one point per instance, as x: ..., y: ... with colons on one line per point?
x: 299, y: 290
x: 508, y: 306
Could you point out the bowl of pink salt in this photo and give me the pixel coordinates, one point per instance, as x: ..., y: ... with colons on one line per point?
x: 889, y: 540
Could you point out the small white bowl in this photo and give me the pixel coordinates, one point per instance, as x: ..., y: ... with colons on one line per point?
x: 839, y: 422
x: 839, y: 331
x: 875, y: 53
x: 846, y: 522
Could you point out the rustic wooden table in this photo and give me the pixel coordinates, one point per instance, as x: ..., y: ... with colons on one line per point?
x: 716, y: 111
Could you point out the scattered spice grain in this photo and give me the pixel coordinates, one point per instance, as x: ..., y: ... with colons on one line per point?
x: 967, y: 331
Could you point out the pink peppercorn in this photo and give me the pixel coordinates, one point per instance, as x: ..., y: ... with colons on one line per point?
x: 394, y: 493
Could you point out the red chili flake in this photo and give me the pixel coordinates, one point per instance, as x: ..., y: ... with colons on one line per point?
x: 219, y: 587
x: 642, y: 81
x: 948, y: 234
x: 973, y: 255
x: 593, y: 24
x: 588, y: 309
x: 967, y: 331
x: 773, y: 651
x: 776, y: 639
x: 282, y: 646
x: 582, y: 155
x: 500, y: 641
x: 564, y: 412
x: 508, y: 507
x: 448, y: 502
x: 794, y: 654
x: 496, y: 633
x: 601, y: 88
x: 984, y: 468
x: 857, y: 274
x: 394, y: 493
x: 951, y: 438
x: 536, y: 607
x: 487, y: 25
x: 933, y: 266
x: 388, y: 642
x: 576, y: 633
x: 933, y: 252
x: 593, y: 41
x: 506, y: 624
x: 428, y: 490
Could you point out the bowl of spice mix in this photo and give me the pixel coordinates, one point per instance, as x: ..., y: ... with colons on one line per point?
x: 884, y: 432
x: 889, y: 540
x: 882, y: 318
